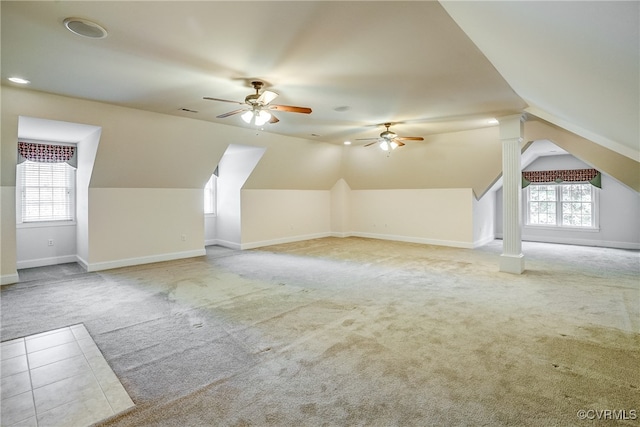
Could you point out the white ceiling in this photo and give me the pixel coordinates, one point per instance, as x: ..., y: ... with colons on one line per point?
x: 356, y: 64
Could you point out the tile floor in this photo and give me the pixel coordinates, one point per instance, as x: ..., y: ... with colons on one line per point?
x: 58, y: 378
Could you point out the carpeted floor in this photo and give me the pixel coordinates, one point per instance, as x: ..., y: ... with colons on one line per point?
x: 356, y: 332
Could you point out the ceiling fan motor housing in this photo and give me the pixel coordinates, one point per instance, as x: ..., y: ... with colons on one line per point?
x: 252, y: 99
x: 387, y: 134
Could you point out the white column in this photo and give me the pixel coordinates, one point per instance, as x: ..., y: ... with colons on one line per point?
x: 511, y: 131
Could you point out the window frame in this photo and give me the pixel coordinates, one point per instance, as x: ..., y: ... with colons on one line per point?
x: 211, y: 188
x: 595, y: 207
x: 20, y: 197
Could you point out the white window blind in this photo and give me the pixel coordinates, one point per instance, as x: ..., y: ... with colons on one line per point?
x: 47, y: 191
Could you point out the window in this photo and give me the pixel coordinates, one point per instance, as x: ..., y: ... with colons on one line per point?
x: 210, y: 196
x: 47, y: 191
x: 561, y: 205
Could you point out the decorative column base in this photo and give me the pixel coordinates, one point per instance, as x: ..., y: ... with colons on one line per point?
x: 512, y: 263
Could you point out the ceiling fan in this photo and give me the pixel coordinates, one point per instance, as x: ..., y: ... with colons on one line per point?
x: 258, y: 106
x: 389, y: 140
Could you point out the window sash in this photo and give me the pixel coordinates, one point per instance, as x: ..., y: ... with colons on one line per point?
x: 47, y: 191
x: 561, y: 205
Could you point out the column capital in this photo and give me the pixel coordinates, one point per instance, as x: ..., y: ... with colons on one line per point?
x: 512, y: 127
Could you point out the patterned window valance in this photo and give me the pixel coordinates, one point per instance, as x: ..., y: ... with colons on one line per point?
x: 46, y: 153
x: 569, y: 175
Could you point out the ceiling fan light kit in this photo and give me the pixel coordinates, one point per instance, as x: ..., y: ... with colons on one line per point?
x: 258, y: 117
x: 388, y: 145
x: 258, y: 105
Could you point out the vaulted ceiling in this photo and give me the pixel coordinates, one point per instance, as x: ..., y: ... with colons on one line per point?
x: 429, y: 67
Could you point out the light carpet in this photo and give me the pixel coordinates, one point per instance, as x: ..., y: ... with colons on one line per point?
x: 356, y: 332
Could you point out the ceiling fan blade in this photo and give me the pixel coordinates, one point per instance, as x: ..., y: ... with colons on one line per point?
x: 273, y: 119
x: 400, y: 144
x: 223, y: 100
x: 366, y: 139
x: 290, y: 109
x: 266, y: 97
x: 410, y: 138
x: 371, y: 143
x: 231, y: 113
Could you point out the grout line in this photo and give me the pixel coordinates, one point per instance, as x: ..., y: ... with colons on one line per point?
x: 33, y: 396
x: 93, y: 372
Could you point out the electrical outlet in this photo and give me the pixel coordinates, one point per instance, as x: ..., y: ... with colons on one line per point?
x: 50, y: 242
x: 183, y: 237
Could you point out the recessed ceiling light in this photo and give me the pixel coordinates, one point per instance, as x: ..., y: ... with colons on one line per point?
x: 85, y: 28
x: 19, y: 80
x: 347, y: 143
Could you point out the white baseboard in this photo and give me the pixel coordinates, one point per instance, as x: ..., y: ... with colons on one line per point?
x: 107, y: 265
x: 211, y: 242
x: 579, y: 242
x: 224, y: 243
x: 341, y: 235
x: 291, y: 239
x: 9, y: 279
x: 43, y: 262
x: 83, y: 263
x: 410, y: 239
x: 483, y: 241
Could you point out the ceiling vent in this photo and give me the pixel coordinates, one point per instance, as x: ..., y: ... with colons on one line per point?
x: 85, y: 28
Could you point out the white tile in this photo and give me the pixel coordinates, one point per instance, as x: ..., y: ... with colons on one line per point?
x: 99, y: 364
x: 42, y: 334
x: 17, y: 408
x: 118, y: 397
x: 13, y: 366
x: 60, y: 370
x: 10, y: 342
x: 87, y: 345
x: 73, y: 385
x: 79, y: 331
x: 29, y: 422
x: 53, y: 354
x: 12, y: 348
x: 65, y: 391
x: 78, y: 413
x: 15, y: 384
x: 50, y: 340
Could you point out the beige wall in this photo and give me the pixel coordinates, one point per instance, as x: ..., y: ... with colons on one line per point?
x: 277, y: 216
x: 340, y: 208
x: 296, y: 164
x: 149, y: 228
x: 433, y: 216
